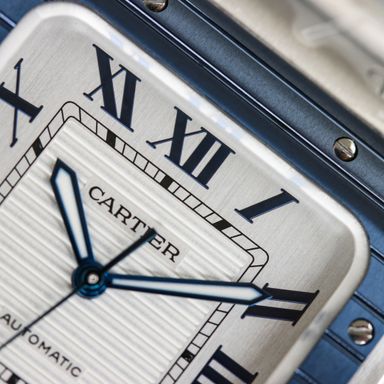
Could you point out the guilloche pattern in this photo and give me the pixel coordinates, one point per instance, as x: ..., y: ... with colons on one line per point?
x: 125, y: 336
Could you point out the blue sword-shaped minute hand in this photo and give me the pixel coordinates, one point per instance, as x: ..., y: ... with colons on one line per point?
x: 66, y: 188
x: 236, y: 293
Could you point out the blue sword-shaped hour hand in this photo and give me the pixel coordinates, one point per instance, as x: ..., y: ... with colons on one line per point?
x: 236, y: 293
x: 66, y: 188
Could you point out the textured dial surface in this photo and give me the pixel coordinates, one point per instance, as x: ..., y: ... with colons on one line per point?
x: 121, y: 335
x: 149, y: 152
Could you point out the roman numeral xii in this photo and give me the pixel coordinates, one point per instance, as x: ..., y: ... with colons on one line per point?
x: 206, y: 157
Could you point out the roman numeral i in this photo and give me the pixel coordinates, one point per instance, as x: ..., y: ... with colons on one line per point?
x: 267, y: 205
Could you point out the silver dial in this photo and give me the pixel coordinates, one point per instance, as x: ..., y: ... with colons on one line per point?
x: 107, y: 144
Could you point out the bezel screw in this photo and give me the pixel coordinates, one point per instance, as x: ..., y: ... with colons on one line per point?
x: 156, y: 5
x: 345, y: 149
x: 361, y: 331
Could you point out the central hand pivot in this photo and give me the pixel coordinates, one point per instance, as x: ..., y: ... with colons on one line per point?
x: 89, y: 280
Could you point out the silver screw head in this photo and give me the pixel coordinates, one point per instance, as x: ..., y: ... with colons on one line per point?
x: 345, y: 149
x: 361, y: 331
x: 156, y: 5
x: 93, y: 278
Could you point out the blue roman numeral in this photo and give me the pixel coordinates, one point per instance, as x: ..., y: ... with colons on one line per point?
x: 108, y: 92
x: 18, y: 103
x: 280, y: 313
x: 198, y: 154
x: 218, y: 375
x: 262, y: 207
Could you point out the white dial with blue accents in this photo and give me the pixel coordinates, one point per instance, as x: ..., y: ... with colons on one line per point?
x: 144, y: 236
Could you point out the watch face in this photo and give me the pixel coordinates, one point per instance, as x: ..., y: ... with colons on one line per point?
x: 144, y: 236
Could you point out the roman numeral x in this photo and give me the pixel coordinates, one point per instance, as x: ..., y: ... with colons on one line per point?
x: 18, y: 103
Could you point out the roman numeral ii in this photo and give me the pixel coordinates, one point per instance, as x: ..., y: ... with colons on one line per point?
x: 281, y: 313
x: 209, y: 143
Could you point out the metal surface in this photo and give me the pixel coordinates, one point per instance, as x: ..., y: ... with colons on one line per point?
x: 343, y: 357
x: 93, y: 278
x: 298, y: 257
x: 361, y: 331
x: 372, y: 370
x: 335, y: 45
x: 345, y: 149
x: 156, y: 5
x: 343, y: 60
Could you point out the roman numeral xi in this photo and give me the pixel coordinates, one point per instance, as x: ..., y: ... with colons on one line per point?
x: 207, y: 156
x: 108, y: 90
x: 200, y: 159
x: 18, y: 103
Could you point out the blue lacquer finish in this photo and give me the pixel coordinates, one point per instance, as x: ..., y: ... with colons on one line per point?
x: 372, y: 288
x: 328, y: 364
x: 11, y: 11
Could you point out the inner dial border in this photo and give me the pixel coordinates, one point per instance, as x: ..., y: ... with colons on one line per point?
x: 71, y: 110
x: 11, y: 377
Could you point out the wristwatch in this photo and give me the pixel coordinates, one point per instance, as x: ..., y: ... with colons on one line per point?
x: 181, y: 201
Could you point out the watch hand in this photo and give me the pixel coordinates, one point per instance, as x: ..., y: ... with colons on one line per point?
x: 40, y: 317
x: 148, y: 236
x: 91, y: 278
x: 236, y: 293
x: 67, y: 193
x: 66, y: 188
